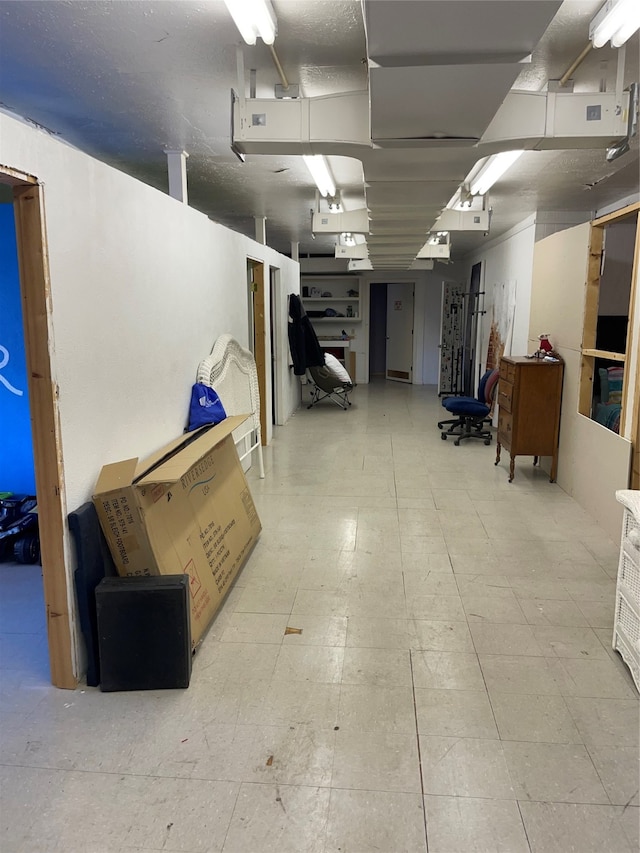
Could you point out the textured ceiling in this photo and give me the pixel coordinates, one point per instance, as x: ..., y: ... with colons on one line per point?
x: 124, y: 81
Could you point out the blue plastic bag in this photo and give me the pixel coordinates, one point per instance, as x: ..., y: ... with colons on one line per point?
x: 205, y: 407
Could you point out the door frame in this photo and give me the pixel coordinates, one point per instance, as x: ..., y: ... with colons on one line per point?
x: 257, y: 321
x: 35, y: 293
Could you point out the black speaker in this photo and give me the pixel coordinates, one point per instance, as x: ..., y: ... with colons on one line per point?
x: 144, y: 634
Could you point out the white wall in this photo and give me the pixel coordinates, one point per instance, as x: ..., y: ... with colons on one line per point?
x: 141, y: 286
x: 592, y: 461
x: 506, y: 259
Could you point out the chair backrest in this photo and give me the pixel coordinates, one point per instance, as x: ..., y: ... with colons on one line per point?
x: 486, y: 388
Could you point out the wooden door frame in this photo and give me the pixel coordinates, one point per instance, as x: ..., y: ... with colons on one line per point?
x: 259, y: 339
x: 35, y: 291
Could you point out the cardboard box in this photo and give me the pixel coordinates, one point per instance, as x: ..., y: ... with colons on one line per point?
x: 186, y: 509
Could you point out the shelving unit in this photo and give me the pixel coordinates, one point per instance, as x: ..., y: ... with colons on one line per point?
x: 626, y: 630
x: 343, y: 304
x: 329, y: 329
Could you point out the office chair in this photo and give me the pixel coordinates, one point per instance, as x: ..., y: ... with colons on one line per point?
x: 471, y: 412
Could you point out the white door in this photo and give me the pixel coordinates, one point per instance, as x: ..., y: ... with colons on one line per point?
x: 400, y: 331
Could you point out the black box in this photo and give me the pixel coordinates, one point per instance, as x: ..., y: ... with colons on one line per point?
x: 144, y: 634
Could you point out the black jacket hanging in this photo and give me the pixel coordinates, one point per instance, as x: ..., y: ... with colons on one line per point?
x: 303, y: 341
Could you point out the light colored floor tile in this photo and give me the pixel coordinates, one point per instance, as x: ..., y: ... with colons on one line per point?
x: 254, y: 628
x: 465, y: 767
x: 319, y: 602
x: 322, y: 664
x: 380, y: 761
x: 484, y: 586
x: 278, y: 819
x: 236, y: 661
x: 567, y: 642
x: 315, y: 630
x: 288, y: 755
x: 442, y: 636
x: 467, y: 825
x: 606, y: 722
x: 425, y: 581
x: 262, y: 596
x: 540, y: 611
x: 521, y: 674
x: 446, y: 608
x: 560, y: 827
x: 282, y: 703
x: 455, y: 713
x: 384, y: 821
x: 603, y: 679
x: 379, y: 632
x: 545, y: 588
x: 485, y: 609
x: 619, y: 772
x: 553, y: 772
x: 377, y: 667
x: 447, y: 670
x: 598, y: 614
x: 496, y: 639
x: 526, y: 717
x: 367, y: 708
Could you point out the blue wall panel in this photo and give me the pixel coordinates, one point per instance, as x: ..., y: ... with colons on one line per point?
x: 16, y: 449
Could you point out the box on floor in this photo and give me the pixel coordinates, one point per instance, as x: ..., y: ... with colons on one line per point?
x: 186, y: 509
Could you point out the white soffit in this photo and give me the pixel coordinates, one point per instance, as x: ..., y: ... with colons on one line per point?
x: 415, y: 103
x: 418, y: 164
x: 410, y: 193
x: 431, y: 31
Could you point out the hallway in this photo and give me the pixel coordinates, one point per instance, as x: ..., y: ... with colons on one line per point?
x: 416, y: 657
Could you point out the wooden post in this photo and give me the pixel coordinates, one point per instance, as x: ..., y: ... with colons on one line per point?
x: 47, y: 451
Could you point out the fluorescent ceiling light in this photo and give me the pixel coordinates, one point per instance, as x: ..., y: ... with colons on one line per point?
x: 617, y: 21
x: 492, y: 170
x: 320, y: 173
x: 254, y: 18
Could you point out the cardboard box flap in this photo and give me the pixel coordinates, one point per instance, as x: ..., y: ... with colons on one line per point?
x: 116, y: 475
x: 176, y: 466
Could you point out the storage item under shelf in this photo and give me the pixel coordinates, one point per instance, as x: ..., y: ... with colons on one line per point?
x: 626, y: 627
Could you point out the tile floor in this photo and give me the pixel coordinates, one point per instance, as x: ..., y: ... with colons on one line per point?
x: 452, y: 689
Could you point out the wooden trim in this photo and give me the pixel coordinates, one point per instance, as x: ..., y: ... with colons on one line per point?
x: 635, y: 413
x: 592, y: 296
x: 14, y: 178
x: 47, y: 451
x: 259, y: 335
x: 617, y: 214
x: 587, y: 369
x: 602, y: 353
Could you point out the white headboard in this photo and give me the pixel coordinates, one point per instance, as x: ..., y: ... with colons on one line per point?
x: 231, y: 371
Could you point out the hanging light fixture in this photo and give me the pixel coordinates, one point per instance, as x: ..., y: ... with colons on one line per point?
x: 254, y: 18
x: 493, y: 169
x: 320, y: 173
x: 616, y: 21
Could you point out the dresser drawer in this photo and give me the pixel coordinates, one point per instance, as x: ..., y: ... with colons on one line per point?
x: 507, y: 371
x: 505, y: 395
x: 505, y: 427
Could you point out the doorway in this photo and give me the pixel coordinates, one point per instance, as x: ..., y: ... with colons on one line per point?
x: 391, y: 339
x: 400, y: 309
x: 47, y: 453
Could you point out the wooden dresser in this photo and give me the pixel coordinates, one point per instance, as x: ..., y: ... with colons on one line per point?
x: 529, y: 397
